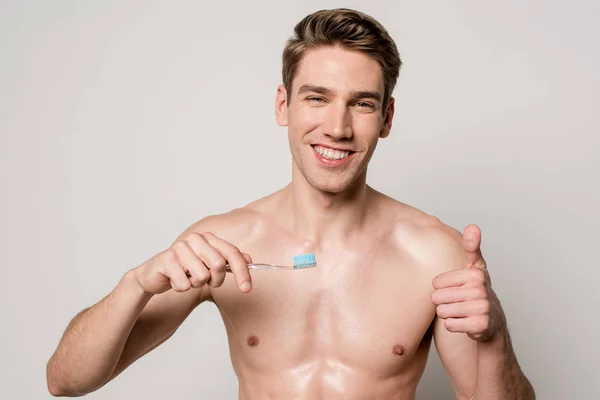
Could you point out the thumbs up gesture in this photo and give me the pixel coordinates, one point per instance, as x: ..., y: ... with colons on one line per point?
x: 464, y: 297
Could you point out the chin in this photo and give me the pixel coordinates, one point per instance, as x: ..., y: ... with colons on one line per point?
x: 332, y: 184
x: 329, y: 181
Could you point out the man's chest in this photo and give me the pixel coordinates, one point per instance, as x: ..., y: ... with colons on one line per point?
x: 358, y: 308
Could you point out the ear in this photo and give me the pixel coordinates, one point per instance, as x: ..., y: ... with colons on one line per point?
x: 388, y: 116
x: 281, y: 106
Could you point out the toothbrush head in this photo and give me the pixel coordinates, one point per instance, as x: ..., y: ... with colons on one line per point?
x: 305, y: 261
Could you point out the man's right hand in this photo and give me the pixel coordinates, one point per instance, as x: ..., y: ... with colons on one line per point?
x: 194, y: 260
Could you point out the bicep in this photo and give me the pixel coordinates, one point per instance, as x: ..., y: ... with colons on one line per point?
x: 458, y: 354
x: 159, y: 320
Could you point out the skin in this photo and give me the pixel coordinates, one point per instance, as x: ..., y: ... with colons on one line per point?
x: 390, y: 280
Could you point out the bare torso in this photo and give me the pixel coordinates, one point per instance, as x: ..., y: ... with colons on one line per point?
x: 357, y: 326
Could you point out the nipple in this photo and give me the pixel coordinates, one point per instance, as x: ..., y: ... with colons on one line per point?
x: 252, y: 341
x: 398, y: 350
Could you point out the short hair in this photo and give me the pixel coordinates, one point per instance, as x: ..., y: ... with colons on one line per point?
x: 348, y: 29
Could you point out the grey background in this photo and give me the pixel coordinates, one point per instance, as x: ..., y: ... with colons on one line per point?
x: 124, y: 122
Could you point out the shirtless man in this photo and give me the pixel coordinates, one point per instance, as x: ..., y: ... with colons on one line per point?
x: 389, y: 278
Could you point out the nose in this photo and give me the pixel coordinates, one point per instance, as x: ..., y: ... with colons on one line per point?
x: 337, y: 122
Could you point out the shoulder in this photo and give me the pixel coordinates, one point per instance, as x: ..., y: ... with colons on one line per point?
x: 236, y: 226
x: 232, y: 226
x: 431, y: 243
x: 439, y: 245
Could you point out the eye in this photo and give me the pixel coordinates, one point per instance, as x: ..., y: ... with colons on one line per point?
x: 316, y: 99
x: 362, y: 104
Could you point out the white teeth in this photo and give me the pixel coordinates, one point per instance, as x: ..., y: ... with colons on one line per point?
x: 331, y: 154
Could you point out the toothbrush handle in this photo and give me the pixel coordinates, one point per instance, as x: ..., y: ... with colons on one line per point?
x: 261, y: 266
x: 255, y: 266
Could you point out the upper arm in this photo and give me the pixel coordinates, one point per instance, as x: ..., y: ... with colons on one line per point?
x: 457, y: 352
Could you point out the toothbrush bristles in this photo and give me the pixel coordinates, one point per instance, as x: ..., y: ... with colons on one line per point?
x: 304, y: 261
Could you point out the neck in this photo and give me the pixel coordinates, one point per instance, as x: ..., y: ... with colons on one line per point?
x: 322, y: 217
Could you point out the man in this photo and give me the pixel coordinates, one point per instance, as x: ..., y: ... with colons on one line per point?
x: 389, y: 278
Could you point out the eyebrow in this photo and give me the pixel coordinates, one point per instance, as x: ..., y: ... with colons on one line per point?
x: 361, y: 94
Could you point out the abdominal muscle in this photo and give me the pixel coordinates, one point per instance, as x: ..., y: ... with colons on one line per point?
x: 327, y: 378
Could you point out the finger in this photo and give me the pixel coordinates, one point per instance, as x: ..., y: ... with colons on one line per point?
x: 457, y: 294
x: 464, y: 309
x: 471, y: 325
x: 179, y: 281
x: 198, y: 275
x: 210, y: 256
x: 237, y: 262
x: 460, y: 277
x: 247, y: 258
x: 454, y: 278
x: 472, y: 246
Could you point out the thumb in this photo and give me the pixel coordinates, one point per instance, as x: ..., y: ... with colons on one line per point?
x: 247, y: 258
x: 472, y: 246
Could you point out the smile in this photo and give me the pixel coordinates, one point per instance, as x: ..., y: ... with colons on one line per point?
x: 331, y: 154
x: 332, y: 157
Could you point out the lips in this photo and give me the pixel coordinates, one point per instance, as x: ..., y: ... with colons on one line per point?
x: 332, y: 157
x: 331, y: 154
x: 332, y: 147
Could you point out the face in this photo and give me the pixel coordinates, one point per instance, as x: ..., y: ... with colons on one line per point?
x: 334, y: 117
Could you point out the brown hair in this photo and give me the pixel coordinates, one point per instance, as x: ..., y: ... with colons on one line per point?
x: 350, y: 30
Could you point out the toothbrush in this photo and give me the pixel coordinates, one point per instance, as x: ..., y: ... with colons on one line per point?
x: 300, y: 262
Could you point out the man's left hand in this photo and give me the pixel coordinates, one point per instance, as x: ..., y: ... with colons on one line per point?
x: 464, y: 297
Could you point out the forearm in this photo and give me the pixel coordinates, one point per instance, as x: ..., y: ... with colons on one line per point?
x: 94, y: 340
x: 499, y: 375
